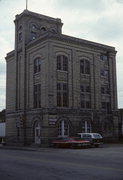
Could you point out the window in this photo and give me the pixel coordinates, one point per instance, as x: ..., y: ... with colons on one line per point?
x: 84, y: 66
x: 88, y: 104
x: 106, y: 106
x: 62, y: 95
x: 82, y: 88
x: 58, y: 86
x: 34, y: 31
x: 20, y: 33
x: 59, y: 99
x: 59, y: 63
x: 37, y: 96
x: 104, y: 58
x: 88, y: 89
x: 105, y: 89
x: 85, y: 96
x: 37, y: 65
x: 86, y: 127
x: 104, y: 73
x: 65, y: 63
x: 20, y: 28
x: 20, y: 36
x: 33, y: 27
x: 102, y: 90
x: 65, y: 99
x: 43, y: 29
x: 62, y: 63
x: 86, y: 136
x: 82, y: 101
x: 33, y: 35
x: 85, y: 88
x: 85, y: 101
x: 87, y: 67
x: 103, y: 105
x: 63, y: 128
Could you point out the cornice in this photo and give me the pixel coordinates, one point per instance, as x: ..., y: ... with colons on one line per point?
x: 10, y: 55
x: 85, y: 43
x: 39, y: 16
x: 73, y: 41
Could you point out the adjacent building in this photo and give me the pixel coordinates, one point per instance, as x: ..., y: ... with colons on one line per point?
x: 120, y: 112
x: 58, y: 85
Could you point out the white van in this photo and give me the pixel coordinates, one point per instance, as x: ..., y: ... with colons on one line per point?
x: 95, y: 138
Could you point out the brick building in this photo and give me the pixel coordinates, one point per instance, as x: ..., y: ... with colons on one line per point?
x: 58, y: 85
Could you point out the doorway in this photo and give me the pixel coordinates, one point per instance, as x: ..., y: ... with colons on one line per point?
x: 37, y: 133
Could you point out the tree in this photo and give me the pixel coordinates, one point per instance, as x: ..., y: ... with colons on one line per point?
x: 2, y: 116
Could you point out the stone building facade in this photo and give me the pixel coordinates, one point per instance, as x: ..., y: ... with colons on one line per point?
x: 58, y: 85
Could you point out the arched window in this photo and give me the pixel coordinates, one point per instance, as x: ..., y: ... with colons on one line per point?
x: 20, y: 33
x: 86, y: 127
x: 84, y: 66
x: 37, y: 65
x: 33, y: 35
x: 37, y: 133
x: 33, y: 27
x: 43, y: 29
x: 62, y: 63
x: 63, y: 128
x: 33, y: 31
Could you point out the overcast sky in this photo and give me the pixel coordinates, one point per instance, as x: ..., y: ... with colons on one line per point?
x: 96, y: 20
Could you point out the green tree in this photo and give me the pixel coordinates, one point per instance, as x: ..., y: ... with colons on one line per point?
x: 2, y: 116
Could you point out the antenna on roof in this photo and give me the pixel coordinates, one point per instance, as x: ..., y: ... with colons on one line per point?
x: 26, y: 4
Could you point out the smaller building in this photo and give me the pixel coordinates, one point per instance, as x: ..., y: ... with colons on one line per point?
x: 2, y: 126
x: 2, y: 116
x: 121, y: 124
x: 2, y: 131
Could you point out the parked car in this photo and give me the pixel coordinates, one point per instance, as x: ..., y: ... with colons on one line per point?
x: 70, y: 142
x: 95, y: 139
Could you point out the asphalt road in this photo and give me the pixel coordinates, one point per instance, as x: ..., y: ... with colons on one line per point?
x: 104, y: 163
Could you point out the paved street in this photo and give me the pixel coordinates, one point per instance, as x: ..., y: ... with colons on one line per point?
x: 105, y: 163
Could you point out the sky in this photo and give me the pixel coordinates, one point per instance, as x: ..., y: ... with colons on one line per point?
x: 95, y: 20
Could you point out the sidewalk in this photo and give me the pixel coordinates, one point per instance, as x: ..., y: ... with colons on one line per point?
x: 113, y: 145
x: 28, y: 148
x: 25, y: 148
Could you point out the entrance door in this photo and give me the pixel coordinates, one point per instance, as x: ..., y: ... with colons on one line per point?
x: 37, y: 133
